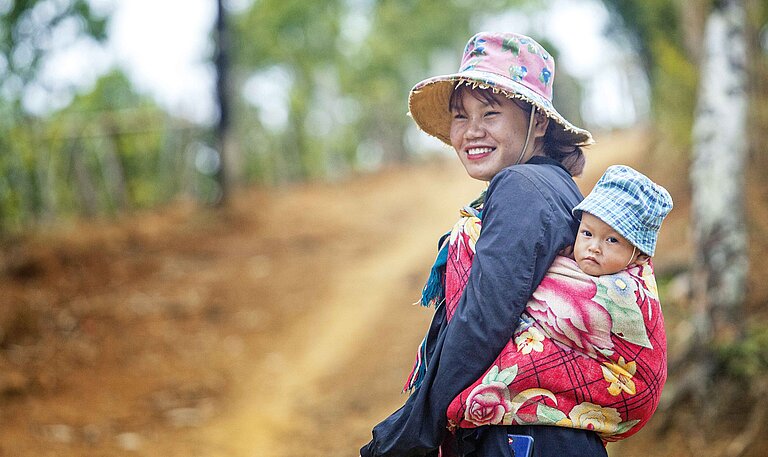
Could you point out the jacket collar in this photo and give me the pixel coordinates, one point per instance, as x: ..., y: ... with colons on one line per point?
x: 544, y: 160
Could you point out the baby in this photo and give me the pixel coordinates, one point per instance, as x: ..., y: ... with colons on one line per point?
x: 620, y: 221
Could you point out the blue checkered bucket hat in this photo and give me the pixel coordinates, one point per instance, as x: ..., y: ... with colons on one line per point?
x: 629, y: 202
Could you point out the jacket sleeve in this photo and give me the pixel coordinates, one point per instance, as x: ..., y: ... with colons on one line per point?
x: 521, y: 235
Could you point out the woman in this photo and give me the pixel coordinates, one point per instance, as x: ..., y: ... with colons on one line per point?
x: 497, y: 114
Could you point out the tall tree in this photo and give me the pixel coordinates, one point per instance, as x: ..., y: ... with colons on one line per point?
x: 221, y: 61
x: 717, y: 175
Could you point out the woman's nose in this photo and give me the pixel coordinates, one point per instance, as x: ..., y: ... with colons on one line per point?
x: 475, y: 129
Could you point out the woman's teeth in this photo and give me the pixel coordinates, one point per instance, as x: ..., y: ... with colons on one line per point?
x: 476, y: 151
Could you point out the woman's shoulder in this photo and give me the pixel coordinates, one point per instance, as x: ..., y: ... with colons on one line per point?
x: 533, y: 179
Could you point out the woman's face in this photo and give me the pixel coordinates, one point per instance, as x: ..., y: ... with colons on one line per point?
x: 489, y: 135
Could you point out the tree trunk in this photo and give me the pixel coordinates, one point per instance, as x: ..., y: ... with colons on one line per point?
x: 296, y: 158
x: 112, y: 169
x: 221, y: 61
x: 86, y: 189
x: 717, y: 177
x: 45, y: 166
x: 693, y: 15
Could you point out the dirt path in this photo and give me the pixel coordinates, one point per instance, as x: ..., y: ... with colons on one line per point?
x: 280, y: 328
x: 333, y: 354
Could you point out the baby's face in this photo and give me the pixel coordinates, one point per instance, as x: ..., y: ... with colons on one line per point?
x: 599, y: 249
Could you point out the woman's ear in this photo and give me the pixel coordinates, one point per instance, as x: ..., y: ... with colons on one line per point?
x: 540, y: 124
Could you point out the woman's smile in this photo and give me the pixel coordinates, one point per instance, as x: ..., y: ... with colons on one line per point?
x: 476, y: 153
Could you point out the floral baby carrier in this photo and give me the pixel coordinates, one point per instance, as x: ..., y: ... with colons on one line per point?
x: 589, y: 352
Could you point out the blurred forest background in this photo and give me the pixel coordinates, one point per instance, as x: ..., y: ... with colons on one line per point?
x: 147, y: 258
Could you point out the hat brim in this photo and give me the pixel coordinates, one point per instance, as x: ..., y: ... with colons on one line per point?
x: 428, y: 103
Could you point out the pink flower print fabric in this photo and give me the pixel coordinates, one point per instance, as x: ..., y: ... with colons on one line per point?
x: 590, y: 352
x: 563, y: 306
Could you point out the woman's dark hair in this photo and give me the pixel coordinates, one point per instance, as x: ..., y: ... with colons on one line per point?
x: 558, y: 144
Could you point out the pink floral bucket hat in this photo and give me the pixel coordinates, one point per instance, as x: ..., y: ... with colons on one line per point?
x: 508, y: 63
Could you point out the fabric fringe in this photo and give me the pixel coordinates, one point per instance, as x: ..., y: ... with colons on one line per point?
x: 419, y: 368
x: 434, y: 289
x: 433, y: 294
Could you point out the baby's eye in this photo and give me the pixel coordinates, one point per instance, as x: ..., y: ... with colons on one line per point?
x: 586, y: 233
x: 612, y: 240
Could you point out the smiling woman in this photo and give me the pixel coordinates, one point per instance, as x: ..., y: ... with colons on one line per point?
x: 497, y: 113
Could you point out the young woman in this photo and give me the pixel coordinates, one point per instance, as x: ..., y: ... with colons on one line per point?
x: 497, y: 113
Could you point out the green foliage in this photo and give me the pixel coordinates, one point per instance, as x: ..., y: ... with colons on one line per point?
x: 132, y: 128
x: 300, y: 37
x: 295, y: 32
x: 747, y: 358
x: 110, y: 151
x: 668, y: 44
x: 30, y: 28
x: 674, y: 88
x: 647, y: 24
x: 351, y: 64
x: 654, y: 28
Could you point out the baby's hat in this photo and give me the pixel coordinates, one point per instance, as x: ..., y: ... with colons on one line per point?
x: 629, y: 202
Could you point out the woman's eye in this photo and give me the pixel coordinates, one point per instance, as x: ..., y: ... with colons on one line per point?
x: 459, y: 116
x: 491, y: 113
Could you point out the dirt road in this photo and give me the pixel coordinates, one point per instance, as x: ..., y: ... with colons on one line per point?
x: 342, y: 360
